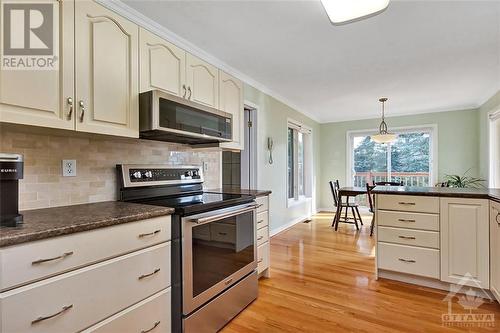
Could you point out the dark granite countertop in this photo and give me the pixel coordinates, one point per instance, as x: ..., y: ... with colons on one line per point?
x: 51, y: 222
x: 236, y: 190
x: 485, y: 193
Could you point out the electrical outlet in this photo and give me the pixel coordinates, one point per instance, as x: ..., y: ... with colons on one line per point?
x: 69, y: 168
x: 205, y: 166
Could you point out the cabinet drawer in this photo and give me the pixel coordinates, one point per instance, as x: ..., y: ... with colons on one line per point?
x: 408, y: 203
x: 264, y: 201
x: 408, y: 220
x: 409, y: 259
x: 90, y: 294
x: 262, y: 257
x: 409, y: 237
x: 262, y: 235
x: 221, y: 232
x: 262, y: 220
x: 151, y: 315
x: 19, y: 263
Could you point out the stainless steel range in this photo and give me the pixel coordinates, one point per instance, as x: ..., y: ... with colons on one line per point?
x: 214, y: 247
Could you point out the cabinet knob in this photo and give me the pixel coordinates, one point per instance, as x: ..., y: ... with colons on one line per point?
x: 82, y: 108
x: 69, y: 100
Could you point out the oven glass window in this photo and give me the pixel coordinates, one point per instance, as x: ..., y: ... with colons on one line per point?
x: 177, y: 116
x: 220, y: 249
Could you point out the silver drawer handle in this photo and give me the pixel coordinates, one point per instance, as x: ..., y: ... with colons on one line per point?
x: 405, y: 220
x: 184, y: 89
x: 156, y: 232
x: 62, y: 256
x: 259, y: 238
x: 260, y: 260
x: 407, y: 260
x: 190, y: 92
x: 498, y: 217
x: 64, y: 309
x: 150, y: 274
x: 261, y: 221
x: 152, y: 328
x: 407, y: 203
x: 407, y: 237
x: 82, y: 107
x: 69, y: 100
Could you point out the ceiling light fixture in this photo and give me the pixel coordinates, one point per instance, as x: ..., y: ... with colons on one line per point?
x: 383, y: 135
x: 347, y: 11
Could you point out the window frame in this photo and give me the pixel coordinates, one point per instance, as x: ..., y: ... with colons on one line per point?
x: 432, y: 129
x: 307, y: 163
x: 493, y: 148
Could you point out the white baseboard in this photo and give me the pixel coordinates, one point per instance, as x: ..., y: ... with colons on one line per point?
x: 288, y: 225
x: 327, y: 210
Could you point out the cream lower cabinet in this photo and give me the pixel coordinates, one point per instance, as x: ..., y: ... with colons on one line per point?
x: 106, y: 71
x: 263, y: 256
x: 464, y: 225
x: 162, y: 65
x: 495, y: 249
x: 231, y: 101
x: 202, y: 81
x: 43, y: 97
x: 95, y: 87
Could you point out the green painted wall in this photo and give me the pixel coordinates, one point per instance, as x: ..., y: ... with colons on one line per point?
x: 493, y: 104
x: 458, y: 144
x: 272, y: 122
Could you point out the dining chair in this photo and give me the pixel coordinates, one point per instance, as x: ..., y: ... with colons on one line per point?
x: 337, y: 200
x: 387, y: 183
x: 371, y: 202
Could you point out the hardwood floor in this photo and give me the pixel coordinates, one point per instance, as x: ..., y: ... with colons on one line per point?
x: 324, y: 281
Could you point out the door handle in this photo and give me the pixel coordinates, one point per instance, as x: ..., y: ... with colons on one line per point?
x: 407, y: 237
x: 62, y: 256
x: 64, y: 309
x: 190, y: 92
x: 411, y: 261
x: 148, y: 275
x: 152, y: 328
x: 153, y: 233
x: 82, y: 107
x: 185, y: 91
x: 69, y: 100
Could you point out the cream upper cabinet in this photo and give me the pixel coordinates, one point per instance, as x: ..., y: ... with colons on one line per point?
x: 107, y: 82
x: 202, y: 80
x: 162, y: 65
x: 43, y: 97
x: 231, y: 101
x: 495, y: 249
x: 464, y: 225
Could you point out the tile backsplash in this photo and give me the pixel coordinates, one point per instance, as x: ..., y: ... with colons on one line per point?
x: 96, y: 158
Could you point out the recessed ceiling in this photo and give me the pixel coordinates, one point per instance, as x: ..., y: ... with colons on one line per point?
x: 425, y: 56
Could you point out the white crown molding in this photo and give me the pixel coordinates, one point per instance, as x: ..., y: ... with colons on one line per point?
x: 156, y: 28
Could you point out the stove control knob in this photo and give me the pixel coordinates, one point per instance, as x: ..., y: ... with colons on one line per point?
x: 188, y: 173
x: 195, y: 173
x: 148, y: 174
x: 137, y: 175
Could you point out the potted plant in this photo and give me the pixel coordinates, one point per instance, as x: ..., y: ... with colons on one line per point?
x: 464, y: 181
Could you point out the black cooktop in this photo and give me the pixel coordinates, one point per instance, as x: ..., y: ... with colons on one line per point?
x: 200, y: 202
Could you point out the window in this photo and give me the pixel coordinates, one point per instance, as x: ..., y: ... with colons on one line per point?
x: 409, y: 159
x: 299, y: 162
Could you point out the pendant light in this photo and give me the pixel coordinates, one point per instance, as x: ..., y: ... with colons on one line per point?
x: 347, y: 11
x: 383, y: 136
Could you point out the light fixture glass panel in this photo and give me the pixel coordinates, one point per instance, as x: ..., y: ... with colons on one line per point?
x: 384, y: 138
x: 346, y: 11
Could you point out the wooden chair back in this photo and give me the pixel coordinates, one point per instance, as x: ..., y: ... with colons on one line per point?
x: 371, y: 198
x: 334, y: 187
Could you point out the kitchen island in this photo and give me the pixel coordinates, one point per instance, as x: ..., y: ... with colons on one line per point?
x: 439, y: 237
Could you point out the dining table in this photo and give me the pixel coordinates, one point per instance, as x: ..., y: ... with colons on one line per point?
x: 347, y: 192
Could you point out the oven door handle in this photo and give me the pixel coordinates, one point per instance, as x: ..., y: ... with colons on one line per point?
x: 224, y: 215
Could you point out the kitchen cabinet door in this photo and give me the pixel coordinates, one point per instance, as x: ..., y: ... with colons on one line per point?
x: 107, y: 89
x: 163, y: 65
x: 465, y: 241
x: 495, y: 249
x: 202, y: 81
x: 231, y: 101
x: 43, y: 97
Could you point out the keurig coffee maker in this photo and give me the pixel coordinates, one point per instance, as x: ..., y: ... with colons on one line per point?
x: 11, y: 170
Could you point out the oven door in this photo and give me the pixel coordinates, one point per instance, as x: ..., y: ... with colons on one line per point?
x: 218, y: 249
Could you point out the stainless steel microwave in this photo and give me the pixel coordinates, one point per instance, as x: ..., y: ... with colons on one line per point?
x: 166, y: 117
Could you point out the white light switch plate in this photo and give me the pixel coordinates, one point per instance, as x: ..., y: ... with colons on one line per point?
x: 69, y: 168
